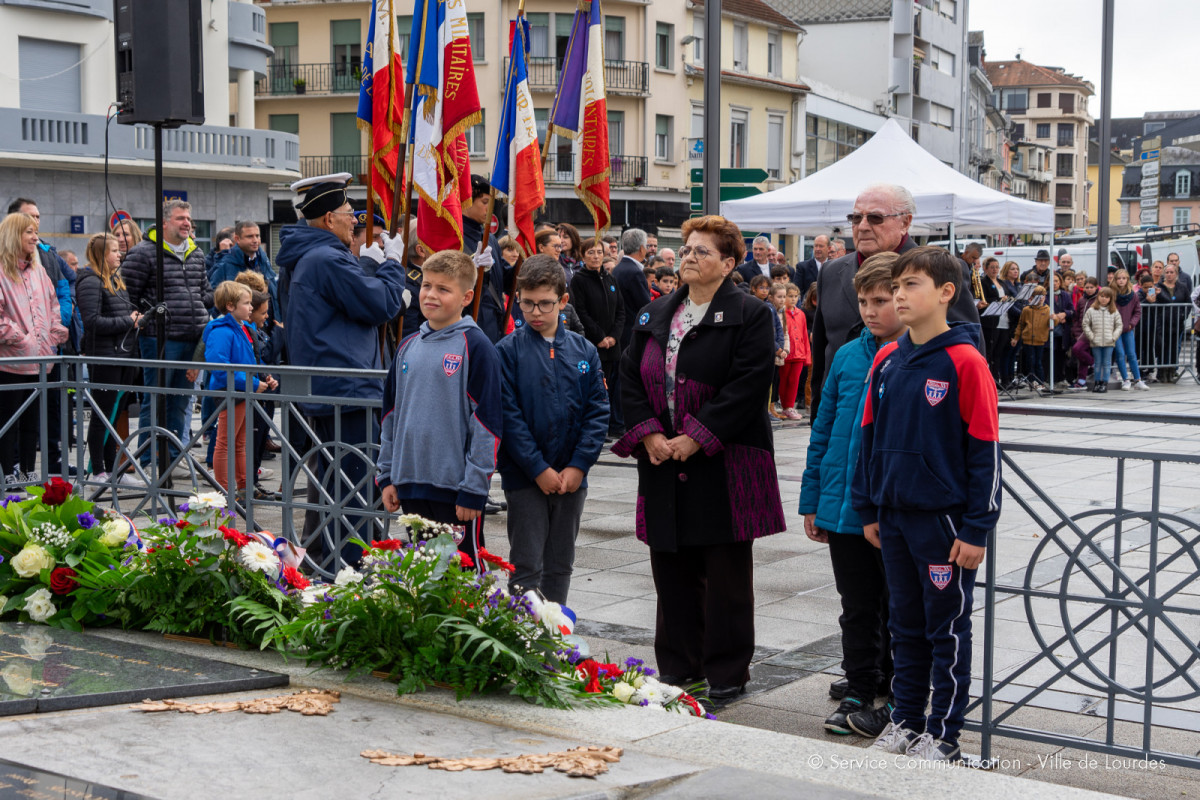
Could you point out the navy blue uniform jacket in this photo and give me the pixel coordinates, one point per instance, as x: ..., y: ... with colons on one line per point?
x: 930, y: 433
x: 555, y: 405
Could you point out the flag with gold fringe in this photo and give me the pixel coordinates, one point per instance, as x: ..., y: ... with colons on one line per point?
x: 381, y: 104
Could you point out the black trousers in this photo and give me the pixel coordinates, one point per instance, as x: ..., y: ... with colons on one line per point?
x: 472, y: 542
x: 359, y: 427
x: 705, y: 625
x: 866, y: 645
x: 102, y: 445
x: 18, y: 445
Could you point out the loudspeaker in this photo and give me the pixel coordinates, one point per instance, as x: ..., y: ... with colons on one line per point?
x: 160, y: 62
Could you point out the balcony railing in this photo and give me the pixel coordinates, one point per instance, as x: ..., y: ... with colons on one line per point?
x: 311, y: 166
x: 626, y: 170
x: 620, y: 77
x: 1066, y: 139
x: 294, y: 79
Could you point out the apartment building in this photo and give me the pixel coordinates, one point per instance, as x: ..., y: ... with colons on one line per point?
x: 652, y: 74
x: 53, y: 136
x: 1048, y: 107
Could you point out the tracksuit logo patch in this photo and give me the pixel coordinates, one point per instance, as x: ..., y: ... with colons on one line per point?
x: 450, y: 363
x: 940, y: 574
x: 935, y: 391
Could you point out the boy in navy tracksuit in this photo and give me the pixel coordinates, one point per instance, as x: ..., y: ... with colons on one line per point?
x: 555, y: 418
x: 927, y: 488
x: 441, y: 409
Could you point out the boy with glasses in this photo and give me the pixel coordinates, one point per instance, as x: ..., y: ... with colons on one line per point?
x: 556, y: 411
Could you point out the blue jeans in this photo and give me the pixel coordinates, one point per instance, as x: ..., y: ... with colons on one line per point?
x: 1127, y: 350
x: 176, y: 403
x: 1103, y: 356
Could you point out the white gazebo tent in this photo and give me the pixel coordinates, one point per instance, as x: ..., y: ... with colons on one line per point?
x: 943, y: 195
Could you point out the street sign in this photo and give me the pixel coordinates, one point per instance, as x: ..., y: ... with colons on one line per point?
x: 733, y: 175
x: 1149, y: 155
x: 727, y: 193
x: 1150, y: 169
x: 117, y: 216
x: 77, y: 224
x: 494, y: 228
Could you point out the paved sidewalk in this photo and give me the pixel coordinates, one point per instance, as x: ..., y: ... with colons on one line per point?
x: 796, y: 623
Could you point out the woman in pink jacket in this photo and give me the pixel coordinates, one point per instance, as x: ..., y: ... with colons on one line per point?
x: 30, y: 325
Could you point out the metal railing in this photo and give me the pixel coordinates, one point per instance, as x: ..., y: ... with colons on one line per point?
x: 311, y: 166
x: 1107, y: 595
x: 327, y: 491
x: 298, y: 79
x: 620, y: 77
x: 626, y: 170
x: 1165, y: 340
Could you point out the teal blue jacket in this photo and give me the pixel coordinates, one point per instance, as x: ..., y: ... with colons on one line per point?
x: 834, y: 443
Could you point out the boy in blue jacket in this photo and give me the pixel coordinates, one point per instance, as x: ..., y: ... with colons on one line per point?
x: 829, y: 517
x: 441, y: 409
x: 555, y: 419
x: 927, y: 488
x: 229, y: 339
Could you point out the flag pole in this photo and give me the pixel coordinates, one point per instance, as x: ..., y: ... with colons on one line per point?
x: 409, y: 98
x: 517, y: 269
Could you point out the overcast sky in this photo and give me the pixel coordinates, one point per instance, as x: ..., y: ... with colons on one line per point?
x: 1154, y: 66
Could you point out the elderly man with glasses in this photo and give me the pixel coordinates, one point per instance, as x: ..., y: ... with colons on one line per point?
x: 879, y: 223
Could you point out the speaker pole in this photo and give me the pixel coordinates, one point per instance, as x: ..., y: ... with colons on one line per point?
x: 160, y: 310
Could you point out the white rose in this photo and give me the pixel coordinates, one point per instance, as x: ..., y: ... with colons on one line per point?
x: 347, y: 576
x: 622, y: 691
x: 638, y: 682
x: 32, y: 560
x: 39, y: 606
x: 3, y: 600
x: 115, y: 532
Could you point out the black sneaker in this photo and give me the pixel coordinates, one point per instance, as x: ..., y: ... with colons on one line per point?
x: 871, y: 722
x: 837, y: 720
x: 838, y: 689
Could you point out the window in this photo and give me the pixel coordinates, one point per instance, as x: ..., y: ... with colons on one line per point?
x: 738, y: 124
x: 826, y: 142
x: 1018, y: 131
x: 1183, y: 216
x: 1066, y: 134
x: 1066, y: 166
x: 1183, y: 183
x: 1014, y: 101
x: 1066, y: 102
x: 774, y: 54
x: 774, y: 146
x: 697, y: 133
x: 285, y: 38
x: 698, y: 32
x: 942, y: 60
x: 475, y: 32
x: 541, y: 117
x: 477, y: 136
x: 948, y: 8
x: 664, y: 132
x: 741, y: 46
x: 49, y: 74
x: 664, y: 45
x: 345, y: 144
x: 614, y: 38
x: 1063, y: 194
x: 1043, y: 100
x: 404, y: 33
x: 346, y: 46
x: 284, y: 123
x: 942, y: 116
x: 1043, y: 130
x: 1150, y: 127
x: 616, y: 133
x: 539, y: 35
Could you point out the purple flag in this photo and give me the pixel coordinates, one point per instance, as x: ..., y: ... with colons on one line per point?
x: 565, y: 114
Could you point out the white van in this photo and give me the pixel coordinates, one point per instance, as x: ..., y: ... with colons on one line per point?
x: 1083, y: 254
x: 1188, y: 248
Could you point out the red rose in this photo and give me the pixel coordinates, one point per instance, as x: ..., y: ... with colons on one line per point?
x: 62, y: 580
x: 388, y: 544
x: 294, y: 578
x: 57, y: 492
x: 465, y: 561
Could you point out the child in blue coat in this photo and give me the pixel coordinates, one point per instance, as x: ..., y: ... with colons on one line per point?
x: 229, y: 339
x: 829, y: 517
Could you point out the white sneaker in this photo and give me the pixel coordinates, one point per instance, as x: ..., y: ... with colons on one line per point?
x: 928, y: 748
x: 1125, y: 386
x: 100, y: 477
x: 265, y: 474
x: 896, y: 739
x: 1142, y: 386
x: 131, y: 479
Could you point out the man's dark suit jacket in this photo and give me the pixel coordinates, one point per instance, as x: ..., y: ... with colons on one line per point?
x: 631, y: 283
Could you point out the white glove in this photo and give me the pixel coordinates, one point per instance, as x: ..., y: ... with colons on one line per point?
x: 372, y: 251
x: 393, y: 246
x: 407, y: 299
x: 483, y: 258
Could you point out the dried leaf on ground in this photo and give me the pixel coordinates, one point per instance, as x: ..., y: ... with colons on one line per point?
x: 310, y: 703
x: 578, y: 762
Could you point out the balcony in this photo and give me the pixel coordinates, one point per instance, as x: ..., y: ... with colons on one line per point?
x: 620, y: 77
x: 626, y: 170
x: 79, y: 137
x: 285, y: 80
x: 311, y: 166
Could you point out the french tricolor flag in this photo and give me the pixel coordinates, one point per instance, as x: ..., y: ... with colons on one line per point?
x: 517, y: 173
x: 381, y: 103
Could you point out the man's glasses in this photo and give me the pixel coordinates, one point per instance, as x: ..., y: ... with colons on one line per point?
x: 543, y: 306
x: 700, y: 250
x: 873, y: 219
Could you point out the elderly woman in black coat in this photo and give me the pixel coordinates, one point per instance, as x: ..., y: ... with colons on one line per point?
x: 693, y: 384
